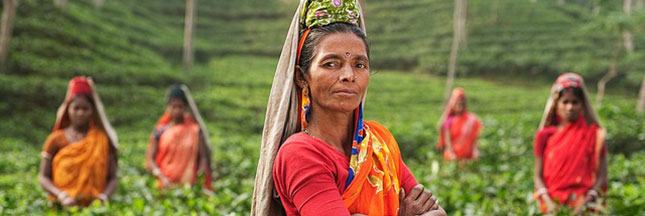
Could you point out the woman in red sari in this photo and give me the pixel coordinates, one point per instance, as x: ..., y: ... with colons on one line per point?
x: 458, y: 129
x: 570, y: 152
x: 179, y: 149
x: 330, y: 161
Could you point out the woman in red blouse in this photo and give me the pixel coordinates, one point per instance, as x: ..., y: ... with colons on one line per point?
x: 570, y: 153
x: 318, y: 155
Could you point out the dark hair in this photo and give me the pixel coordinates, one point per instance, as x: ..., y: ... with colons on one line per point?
x: 177, y: 92
x: 577, y: 91
x: 315, y: 36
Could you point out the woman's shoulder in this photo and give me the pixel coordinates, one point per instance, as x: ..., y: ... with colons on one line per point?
x: 298, y: 143
x: 600, y: 132
x: 56, y: 136
x: 546, y: 131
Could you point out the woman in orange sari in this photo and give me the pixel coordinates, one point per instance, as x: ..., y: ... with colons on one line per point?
x: 458, y: 129
x: 179, y: 147
x: 79, y: 157
x: 570, y: 152
x: 318, y: 155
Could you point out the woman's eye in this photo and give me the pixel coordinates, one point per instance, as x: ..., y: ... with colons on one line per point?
x: 330, y: 64
x: 361, y: 65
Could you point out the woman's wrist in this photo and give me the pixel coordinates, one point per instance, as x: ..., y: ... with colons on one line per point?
x: 156, y: 172
x: 102, y: 197
x: 61, y: 195
x: 542, y: 193
x: 593, y: 192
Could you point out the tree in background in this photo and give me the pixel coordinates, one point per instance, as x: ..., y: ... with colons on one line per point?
x: 188, y: 35
x: 6, y: 28
x: 98, y: 3
x: 640, y: 104
x: 459, y: 24
x: 615, y: 24
x: 60, y: 3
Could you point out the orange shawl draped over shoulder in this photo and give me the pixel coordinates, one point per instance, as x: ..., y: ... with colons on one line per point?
x: 375, y: 187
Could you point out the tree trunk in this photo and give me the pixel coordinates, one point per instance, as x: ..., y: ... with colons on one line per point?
x: 60, y: 3
x: 494, y: 11
x: 98, y: 3
x: 462, y: 23
x: 640, y: 105
x: 6, y: 29
x: 627, y: 35
x: 639, y: 4
x: 188, y: 35
x: 454, y: 50
x: 560, y: 2
x: 613, y: 70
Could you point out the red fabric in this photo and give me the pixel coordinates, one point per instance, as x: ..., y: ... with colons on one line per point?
x: 464, y: 131
x: 79, y: 85
x: 76, y: 86
x: 568, y: 80
x: 310, y: 177
x: 163, y: 121
x: 463, y: 128
x: 571, y: 157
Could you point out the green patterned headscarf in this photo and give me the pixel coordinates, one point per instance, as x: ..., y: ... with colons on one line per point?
x: 318, y: 13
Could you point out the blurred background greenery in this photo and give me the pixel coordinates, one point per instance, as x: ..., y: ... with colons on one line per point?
x: 133, y: 50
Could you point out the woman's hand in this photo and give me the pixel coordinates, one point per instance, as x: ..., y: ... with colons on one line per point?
x: 452, y: 155
x: 65, y: 199
x: 589, y: 198
x: 551, y: 207
x: 165, y: 181
x: 417, y: 201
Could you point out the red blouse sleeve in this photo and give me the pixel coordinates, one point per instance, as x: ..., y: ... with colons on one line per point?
x: 407, y: 179
x: 304, y: 177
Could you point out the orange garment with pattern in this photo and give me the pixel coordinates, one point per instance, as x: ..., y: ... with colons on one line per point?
x: 80, y: 168
x: 375, y: 188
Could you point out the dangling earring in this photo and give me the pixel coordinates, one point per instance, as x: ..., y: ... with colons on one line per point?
x: 305, y: 107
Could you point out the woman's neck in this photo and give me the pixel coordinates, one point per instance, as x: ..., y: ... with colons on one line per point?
x: 82, y: 129
x: 334, y: 128
x: 177, y: 121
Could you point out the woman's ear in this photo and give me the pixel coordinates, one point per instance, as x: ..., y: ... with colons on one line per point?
x: 300, y: 78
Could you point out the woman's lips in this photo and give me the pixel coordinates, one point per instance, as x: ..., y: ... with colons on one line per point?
x: 346, y: 93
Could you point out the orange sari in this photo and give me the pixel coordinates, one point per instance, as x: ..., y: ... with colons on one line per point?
x: 80, y: 169
x: 463, y: 129
x: 178, y: 151
x: 374, y: 189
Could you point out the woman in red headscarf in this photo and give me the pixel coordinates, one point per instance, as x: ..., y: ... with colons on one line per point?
x: 458, y: 129
x: 79, y: 157
x: 570, y: 153
x: 179, y: 148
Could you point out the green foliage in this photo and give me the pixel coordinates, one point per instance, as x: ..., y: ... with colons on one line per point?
x: 232, y: 93
x: 132, y: 49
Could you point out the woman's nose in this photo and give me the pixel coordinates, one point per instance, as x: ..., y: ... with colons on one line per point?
x: 347, y: 74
